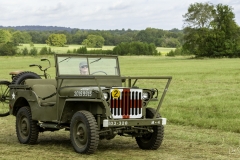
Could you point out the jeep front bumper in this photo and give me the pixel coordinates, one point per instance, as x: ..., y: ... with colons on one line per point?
x: 134, y: 122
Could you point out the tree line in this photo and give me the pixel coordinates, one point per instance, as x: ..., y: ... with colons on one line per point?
x: 140, y: 42
x: 209, y: 31
x: 132, y: 48
x: 37, y: 28
x: 159, y: 37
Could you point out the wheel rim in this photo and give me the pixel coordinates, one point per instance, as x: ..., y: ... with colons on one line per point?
x: 146, y: 137
x: 24, y: 127
x: 80, y: 134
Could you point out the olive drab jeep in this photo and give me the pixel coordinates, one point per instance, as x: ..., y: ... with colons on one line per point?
x: 89, y: 98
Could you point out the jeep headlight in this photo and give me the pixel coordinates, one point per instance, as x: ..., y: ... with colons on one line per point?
x: 105, y: 95
x: 145, y: 95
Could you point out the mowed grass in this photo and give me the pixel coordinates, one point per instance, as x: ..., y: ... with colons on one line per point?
x: 201, y: 105
x: 180, y: 142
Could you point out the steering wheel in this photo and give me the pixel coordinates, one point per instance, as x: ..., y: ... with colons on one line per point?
x: 99, y: 72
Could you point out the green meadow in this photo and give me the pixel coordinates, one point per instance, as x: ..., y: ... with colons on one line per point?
x: 203, y: 92
x: 60, y: 49
x: 201, y: 106
x: 72, y: 47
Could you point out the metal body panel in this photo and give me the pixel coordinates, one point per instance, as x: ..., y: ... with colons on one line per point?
x: 46, y: 113
x: 75, y: 92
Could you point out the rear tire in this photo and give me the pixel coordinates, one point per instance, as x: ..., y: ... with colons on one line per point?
x: 21, y: 77
x: 27, y: 129
x: 151, y: 141
x: 84, y: 132
x: 4, y: 98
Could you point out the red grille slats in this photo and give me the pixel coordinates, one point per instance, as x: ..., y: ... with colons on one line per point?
x: 128, y: 104
x: 133, y: 104
x: 140, y: 103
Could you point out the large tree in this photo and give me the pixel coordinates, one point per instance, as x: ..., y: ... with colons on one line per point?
x: 79, y: 36
x: 5, y: 36
x: 150, y: 35
x: 93, y: 41
x: 17, y: 38
x: 57, y: 40
x: 197, y: 24
x: 27, y: 37
x: 225, y: 31
x: 210, y: 30
x: 199, y: 15
x: 7, y: 49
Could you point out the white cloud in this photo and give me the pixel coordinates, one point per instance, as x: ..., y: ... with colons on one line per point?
x: 120, y: 5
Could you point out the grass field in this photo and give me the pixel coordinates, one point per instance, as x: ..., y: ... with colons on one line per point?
x: 72, y: 47
x: 201, y: 105
x: 60, y: 49
x: 164, y: 51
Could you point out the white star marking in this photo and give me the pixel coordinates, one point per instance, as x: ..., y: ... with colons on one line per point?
x: 13, y: 96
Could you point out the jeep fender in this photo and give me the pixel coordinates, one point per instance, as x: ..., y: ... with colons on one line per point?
x: 71, y: 106
x: 29, y: 98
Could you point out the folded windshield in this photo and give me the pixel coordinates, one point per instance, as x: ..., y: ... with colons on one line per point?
x: 68, y: 65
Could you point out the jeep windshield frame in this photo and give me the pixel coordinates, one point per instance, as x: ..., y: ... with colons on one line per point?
x: 86, y: 65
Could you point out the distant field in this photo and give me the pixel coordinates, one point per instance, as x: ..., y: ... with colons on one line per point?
x: 60, y: 49
x: 55, y: 49
x: 201, y: 105
x: 164, y: 50
x: 72, y: 47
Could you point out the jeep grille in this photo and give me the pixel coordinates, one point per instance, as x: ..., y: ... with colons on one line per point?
x: 127, y: 105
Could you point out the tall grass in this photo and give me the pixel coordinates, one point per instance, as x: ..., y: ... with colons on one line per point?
x: 203, y: 92
x: 201, y: 105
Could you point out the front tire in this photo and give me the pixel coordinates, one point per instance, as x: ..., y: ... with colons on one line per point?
x: 26, y: 128
x: 151, y: 141
x: 84, y: 132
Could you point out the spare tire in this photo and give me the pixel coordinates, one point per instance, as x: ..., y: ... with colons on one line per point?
x: 21, y: 77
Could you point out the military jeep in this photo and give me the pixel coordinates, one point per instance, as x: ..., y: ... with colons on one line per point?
x: 95, y: 104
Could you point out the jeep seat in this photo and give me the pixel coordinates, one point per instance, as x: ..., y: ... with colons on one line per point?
x: 45, y: 91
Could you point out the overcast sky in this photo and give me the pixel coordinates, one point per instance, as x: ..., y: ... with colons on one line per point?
x: 102, y: 14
